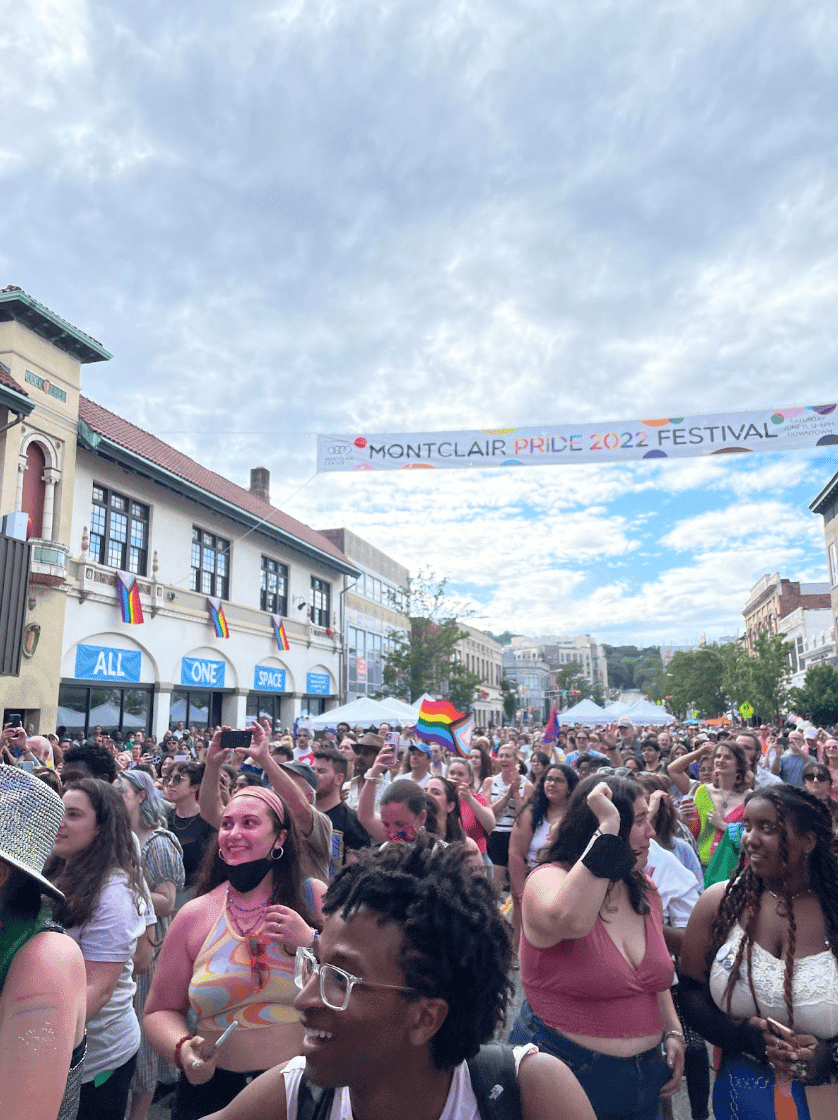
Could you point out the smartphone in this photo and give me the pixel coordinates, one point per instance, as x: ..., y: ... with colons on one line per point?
x: 235, y: 740
x: 392, y: 739
x: 14, y: 720
x: 786, y: 1033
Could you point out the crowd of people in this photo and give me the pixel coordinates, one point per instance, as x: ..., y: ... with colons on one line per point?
x: 652, y: 891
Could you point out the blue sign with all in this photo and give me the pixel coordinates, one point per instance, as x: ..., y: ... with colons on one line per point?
x: 108, y: 663
x: 268, y: 678
x: 318, y: 684
x: 198, y: 672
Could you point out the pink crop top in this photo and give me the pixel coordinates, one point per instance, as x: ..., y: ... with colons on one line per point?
x: 586, y: 986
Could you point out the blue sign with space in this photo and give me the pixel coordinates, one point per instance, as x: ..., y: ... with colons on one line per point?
x: 318, y: 684
x: 198, y: 672
x: 108, y: 663
x: 268, y: 678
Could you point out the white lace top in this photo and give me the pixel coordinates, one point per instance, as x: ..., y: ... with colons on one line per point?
x: 814, y: 987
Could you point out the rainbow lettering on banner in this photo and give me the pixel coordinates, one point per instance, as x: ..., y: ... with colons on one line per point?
x: 129, y: 598
x: 551, y: 731
x: 219, y: 622
x: 279, y: 633
x: 439, y: 722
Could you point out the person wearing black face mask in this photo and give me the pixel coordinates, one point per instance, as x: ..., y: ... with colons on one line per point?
x: 229, y: 957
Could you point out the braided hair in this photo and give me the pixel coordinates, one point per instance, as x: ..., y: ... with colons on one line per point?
x: 802, y: 812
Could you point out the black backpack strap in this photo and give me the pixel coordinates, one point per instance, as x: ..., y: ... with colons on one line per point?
x: 313, y: 1102
x: 494, y: 1080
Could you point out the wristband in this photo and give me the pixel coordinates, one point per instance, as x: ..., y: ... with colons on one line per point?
x: 609, y: 857
x: 185, y: 1038
x: 673, y: 1034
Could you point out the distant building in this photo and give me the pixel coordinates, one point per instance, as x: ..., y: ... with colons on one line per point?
x: 372, y: 613
x: 813, y: 635
x: 484, y: 656
x: 772, y: 598
x: 826, y: 504
x: 526, y: 669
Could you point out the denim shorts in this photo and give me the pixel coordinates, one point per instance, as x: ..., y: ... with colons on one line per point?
x: 618, y: 1088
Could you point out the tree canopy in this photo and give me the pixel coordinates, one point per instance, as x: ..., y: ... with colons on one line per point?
x: 817, y: 700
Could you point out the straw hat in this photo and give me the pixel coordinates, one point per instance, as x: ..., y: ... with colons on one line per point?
x: 30, y: 815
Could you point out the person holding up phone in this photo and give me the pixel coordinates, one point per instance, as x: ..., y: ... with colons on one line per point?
x: 759, y: 964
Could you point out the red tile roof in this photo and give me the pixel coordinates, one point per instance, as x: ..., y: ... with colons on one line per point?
x: 10, y: 383
x: 161, y: 454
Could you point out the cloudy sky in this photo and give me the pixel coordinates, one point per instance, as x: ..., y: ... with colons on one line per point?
x: 301, y: 217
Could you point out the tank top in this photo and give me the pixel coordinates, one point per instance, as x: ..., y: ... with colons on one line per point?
x: 505, y: 821
x: 222, y: 987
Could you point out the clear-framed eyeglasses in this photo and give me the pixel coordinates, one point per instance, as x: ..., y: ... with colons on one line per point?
x: 335, y: 984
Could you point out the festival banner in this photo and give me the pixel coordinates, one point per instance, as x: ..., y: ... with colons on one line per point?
x: 768, y: 430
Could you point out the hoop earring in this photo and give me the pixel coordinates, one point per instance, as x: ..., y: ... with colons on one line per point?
x: 279, y: 850
x: 221, y: 856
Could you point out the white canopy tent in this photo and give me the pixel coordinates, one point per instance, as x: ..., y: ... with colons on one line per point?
x: 617, y: 708
x: 644, y: 712
x: 366, y: 712
x: 586, y: 711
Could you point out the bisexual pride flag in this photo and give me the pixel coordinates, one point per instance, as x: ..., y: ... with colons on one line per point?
x: 129, y: 598
x: 219, y: 622
x: 279, y: 632
x: 439, y: 722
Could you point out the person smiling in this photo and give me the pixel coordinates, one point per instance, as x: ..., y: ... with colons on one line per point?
x: 761, y: 950
x: 229, y: 956
x: 406, y: 982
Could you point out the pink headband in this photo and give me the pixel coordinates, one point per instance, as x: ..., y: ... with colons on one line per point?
x: 266, y: 795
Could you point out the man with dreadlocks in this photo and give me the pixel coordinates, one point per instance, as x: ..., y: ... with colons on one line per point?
x: 760, y: 965
x: 409, y: 977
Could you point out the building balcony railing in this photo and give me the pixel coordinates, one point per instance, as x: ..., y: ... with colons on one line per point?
x: 47, y: 561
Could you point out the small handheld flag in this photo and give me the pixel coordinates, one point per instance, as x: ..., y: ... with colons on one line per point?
x: 279, y: 632
x: 129, y: 598
x: 216, y: 613
x: 551, y: 731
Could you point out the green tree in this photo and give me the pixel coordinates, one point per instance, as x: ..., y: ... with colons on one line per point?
x: 510, y: 698
x: 693, y: 679
x: 423, y: 660
x: 769, y: 670
x: 818, y: 699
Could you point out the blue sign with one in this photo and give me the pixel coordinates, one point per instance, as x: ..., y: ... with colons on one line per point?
x: 268, y: 678
x: 108, y: 663
x: 198, y: 672
x: 318, y: 684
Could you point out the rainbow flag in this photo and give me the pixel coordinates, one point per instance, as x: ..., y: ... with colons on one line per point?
x: 129, y: 598
x: 551, y: 731
x: 279, y: 632
x: 439, y: 722
x: 216, y: 613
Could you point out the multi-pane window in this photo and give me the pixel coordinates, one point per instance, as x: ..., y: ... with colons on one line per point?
x: 210, y: 564
x: 274, y: 590
x: 319, y: 602
x: 119, y: 532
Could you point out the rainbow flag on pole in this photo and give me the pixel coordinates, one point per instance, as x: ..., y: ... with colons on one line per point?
x: 279, y: 632
x: 129, y: 598
x: 216, y: 613
x: 439, y: 722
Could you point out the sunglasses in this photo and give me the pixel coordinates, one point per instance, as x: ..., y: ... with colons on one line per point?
x: 176, y: 779
x: 260, y: 969
x: 816, y: 777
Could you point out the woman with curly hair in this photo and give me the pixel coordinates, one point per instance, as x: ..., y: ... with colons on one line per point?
x: 760, y: 964
x: 105, y: 910
x: 229, y: 956
x: 594, y: 964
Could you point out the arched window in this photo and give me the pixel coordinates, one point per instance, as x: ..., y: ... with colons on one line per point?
x: 32, y: 500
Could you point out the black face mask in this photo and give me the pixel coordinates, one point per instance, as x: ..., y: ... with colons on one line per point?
x: 244, y: 877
